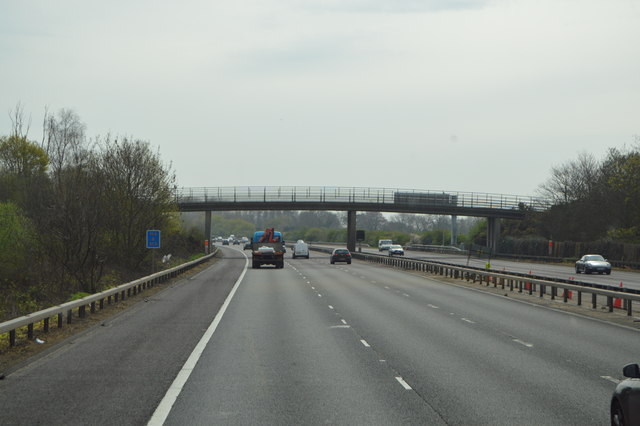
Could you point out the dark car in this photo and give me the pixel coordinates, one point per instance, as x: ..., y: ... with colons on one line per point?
x: 247, y: 246
x: 593, y: 263
x: 341, y: 255
x: 625, y: 402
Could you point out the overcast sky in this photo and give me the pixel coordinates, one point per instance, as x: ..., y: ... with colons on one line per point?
x: 455, y: 95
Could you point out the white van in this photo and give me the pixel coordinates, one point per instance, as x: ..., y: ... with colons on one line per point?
x: 300, y: 249
x: 384, y: 244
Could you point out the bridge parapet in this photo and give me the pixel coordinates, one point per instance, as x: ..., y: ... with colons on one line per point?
x: 382, y: 199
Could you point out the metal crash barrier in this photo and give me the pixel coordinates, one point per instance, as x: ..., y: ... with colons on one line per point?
x: 614, y: 297
x: 92, y: 302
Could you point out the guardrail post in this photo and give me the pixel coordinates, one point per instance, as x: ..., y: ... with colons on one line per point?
x: 629, y: 307
x: 541, y: 290
x: 594, y: 300
x: 81, y: 311
x: 69, y: 314
x: 579, y: 298
x: 60, y: 320
x: 553, y: 292
x: 12, y: 338
x: 610, y: 303
x: 46, y: 325
x: 93, y: 307
x: 30, y: 331
x: 565, y: 295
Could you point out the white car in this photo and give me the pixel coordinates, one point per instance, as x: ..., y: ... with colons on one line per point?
x: 396, y: 250
x: 384, y: 244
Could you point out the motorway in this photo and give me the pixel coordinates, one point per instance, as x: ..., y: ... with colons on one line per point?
x: 315, y: 343
x: 628, y: 278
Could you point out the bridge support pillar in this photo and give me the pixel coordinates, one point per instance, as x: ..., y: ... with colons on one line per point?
x: 207, y: 229
x: 351, y: 230
x: 493, y: 233
x: 454, y: 230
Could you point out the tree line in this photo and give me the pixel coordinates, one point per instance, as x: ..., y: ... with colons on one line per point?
x: 595, y: 208
x: 74, y: 212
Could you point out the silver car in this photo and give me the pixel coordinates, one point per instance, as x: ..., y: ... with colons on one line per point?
x: 396, y: 250
x: 593, y: 263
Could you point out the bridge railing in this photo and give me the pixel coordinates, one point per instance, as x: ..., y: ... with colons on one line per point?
x: 384, y: 196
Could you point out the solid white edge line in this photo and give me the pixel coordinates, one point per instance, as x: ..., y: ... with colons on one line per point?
x: 611, y: 379
x: 403, y: 383
x: 164, y: 408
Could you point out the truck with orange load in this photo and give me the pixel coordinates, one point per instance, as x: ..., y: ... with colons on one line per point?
x: 267, y: 248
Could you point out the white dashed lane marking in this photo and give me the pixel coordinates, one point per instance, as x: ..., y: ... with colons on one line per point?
x: 611, y: 379
x: 364, y: 342
x: 403, y: 383
x: 529, y: 345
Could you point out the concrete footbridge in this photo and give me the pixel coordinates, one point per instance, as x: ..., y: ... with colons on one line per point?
x: 354, y: 199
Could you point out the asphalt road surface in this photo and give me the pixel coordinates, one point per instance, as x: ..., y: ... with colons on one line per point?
x: 315, y: 343
x: 628, y: 278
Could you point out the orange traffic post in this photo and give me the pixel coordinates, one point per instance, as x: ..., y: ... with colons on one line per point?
x: 617, y: 303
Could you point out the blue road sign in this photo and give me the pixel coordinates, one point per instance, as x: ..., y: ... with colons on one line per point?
x: 153, y: 239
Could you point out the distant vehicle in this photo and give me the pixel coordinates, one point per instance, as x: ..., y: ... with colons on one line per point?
x: 625, y: 405
x: 384, y: 244
x: 267, y: 248
x: 593, y: 263
x: 247, y: 246
x: 396, y: 250
x: 300, y: 249
x: 225, y: 242
x: 340, y: 255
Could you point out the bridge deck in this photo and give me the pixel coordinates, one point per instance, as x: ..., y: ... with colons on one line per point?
x: 358, y: 199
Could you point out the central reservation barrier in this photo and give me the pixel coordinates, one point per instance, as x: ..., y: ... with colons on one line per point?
x: 522, y: 283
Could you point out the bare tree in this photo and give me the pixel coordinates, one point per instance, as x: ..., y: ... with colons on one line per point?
x: 373, y: 221
x: 19, y: 126
x: 139, y: 189
x: 572, y: 181
x: 64, y: 140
